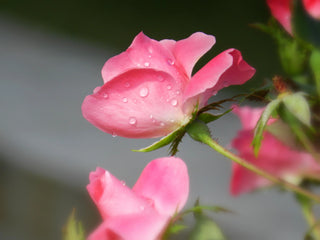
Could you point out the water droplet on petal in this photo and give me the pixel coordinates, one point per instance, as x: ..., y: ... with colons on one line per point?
x: 172, y: 120
x: 178, y: 92
x: 149, y: 56
x: 162, y: 124
x: 123, y: 183
x: 125, y: 100
x: 132, y: 120
x: 138, y: 65
x: 146, y: 64
x: 170, y: 61
x: 141, y: 208
x: 169, y: 87
x: 97, y: 89
x: 174, y: 102
x: 151, y: 116
x: 114, y: 134
x: 150, y: 50
x: 105, y: 95
x: 144, y: 92
x: 127, y: 84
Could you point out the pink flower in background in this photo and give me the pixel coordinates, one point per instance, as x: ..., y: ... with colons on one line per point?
x: 274, y: 156
x: 148, y: 90
x: 143, y: 212
x: 281, y: 10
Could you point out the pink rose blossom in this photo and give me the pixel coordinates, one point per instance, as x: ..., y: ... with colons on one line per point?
x: 274, y: 156
x: 143, y: 212
x: 281, y: 10
x: 148, y: 90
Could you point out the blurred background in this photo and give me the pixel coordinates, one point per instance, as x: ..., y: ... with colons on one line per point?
x: 51, y: 55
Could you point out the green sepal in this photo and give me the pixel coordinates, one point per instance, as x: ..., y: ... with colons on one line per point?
x: 198, y: 209
x: 305, y: 26
x: 298, y: 106
x: 283, y: 133
x: 73, y: 229
x: 208, y: 117
x: 166, y: 140
x: 173, y: 228
x: 261, y: 124
x: 206, y: 229
x: 217, y: 105
x: 198, y: 131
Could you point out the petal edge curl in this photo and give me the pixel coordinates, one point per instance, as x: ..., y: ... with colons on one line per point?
x: 166, y: 181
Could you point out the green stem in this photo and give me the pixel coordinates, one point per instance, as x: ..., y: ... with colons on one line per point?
x: 312, y: 222
x: 296, y: 189
x: 306, y: 207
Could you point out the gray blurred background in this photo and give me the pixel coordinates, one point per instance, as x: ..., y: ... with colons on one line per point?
x: 51, y: 54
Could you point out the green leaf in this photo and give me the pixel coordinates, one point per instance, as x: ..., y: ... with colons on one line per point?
x: 261, y: 124
x: 208, y: 117
x: 315, y: 67
x: 206, y: 229
x: 73, y: 229
x: 298, y: 106
x: 305, y: 26
x: 163, y: 141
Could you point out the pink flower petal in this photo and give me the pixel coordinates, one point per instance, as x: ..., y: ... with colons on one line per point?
x: 139, y: 104
x: 143, y: 53
x: 280, y: 9
x: 144, y: 212
x: 166, y: 181
x: 112, y: 197
x: 244, y: 181
x: 313, y: 7
x: 168, y: 44
x: 228, y: 68
x: 188, y: 51
x: 131, y: 227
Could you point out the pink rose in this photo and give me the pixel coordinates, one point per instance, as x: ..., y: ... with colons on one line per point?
x: 143, y: 212
x: 148, y: 90
x: 281, y: 10
x: 274, y: 156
